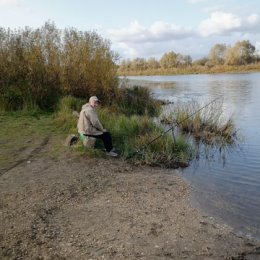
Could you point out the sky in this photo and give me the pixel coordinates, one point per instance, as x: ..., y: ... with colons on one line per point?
x: 145, y: 28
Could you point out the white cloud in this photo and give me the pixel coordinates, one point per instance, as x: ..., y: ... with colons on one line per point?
x: 219, y: 23
x: 9, y: 2
x: 196, y: 1
x: 251, y: 25
x: 253, y: 19
x: 211, y: 9
x: 158, y: 31
x: 133, y: 32
x: 137, y: 40
x: 126, y: 50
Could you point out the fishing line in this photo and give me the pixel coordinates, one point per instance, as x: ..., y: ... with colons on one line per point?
x: 176, y: 123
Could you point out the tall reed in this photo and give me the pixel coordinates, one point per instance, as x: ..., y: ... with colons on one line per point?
x: 38, y: 66
x: 208, y: 125
x: 136, y: 100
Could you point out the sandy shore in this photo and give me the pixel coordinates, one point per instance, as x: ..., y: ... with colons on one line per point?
x: 79, y: 208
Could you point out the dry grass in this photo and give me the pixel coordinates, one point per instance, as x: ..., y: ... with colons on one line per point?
x: 208, y: 125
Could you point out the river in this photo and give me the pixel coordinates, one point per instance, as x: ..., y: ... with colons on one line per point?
x: 228, y: 187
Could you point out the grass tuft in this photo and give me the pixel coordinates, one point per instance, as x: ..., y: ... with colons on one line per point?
x: 64, y: 117
x: 207, y: 125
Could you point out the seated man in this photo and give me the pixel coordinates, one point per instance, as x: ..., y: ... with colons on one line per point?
x: 89, y: 125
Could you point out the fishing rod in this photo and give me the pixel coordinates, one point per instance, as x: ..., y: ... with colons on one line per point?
x: 176, y: 123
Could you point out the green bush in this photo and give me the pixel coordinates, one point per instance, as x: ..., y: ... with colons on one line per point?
x: 38, y: 66
x: 136, y: 100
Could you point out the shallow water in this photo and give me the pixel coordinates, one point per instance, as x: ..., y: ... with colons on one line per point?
x: 227, y: 187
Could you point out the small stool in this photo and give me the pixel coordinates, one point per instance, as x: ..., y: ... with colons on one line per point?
x: 70, y: 140
x: 88, y: 142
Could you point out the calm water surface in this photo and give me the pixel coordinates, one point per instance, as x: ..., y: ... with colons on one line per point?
x: 226, y: 187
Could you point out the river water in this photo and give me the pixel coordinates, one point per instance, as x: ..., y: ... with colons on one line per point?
x: 227, y: 187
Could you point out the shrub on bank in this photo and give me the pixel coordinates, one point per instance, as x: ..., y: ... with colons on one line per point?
x: 38, y: 66
x: 206, y: 125
x: 136, y: 100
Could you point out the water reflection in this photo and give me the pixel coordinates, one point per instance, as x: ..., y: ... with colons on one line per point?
x: 238, y: 93
x: 226, y: 184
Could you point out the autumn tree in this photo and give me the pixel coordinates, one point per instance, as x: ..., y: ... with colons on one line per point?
x: 138, y: 64
x: 217, y: 54
x: 88, y: 64
x: 169, y: 60
x: 125, y: 64
x: 242, y: 53
x: 152, y: 63
x: 183, y: 60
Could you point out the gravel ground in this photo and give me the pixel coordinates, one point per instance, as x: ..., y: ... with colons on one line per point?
x: 80, y: 208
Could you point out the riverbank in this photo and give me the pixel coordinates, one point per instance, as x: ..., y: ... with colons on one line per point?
x: 76, y: 208
x: 254, y: 67
x: 60, y: 205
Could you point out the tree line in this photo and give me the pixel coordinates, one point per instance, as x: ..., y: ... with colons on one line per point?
x: 38, y: 66
x: 242, y: 53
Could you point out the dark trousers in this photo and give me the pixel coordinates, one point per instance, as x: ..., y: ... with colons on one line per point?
x: 106, y: 138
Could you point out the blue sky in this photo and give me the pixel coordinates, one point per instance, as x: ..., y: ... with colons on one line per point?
x: 145, y: 28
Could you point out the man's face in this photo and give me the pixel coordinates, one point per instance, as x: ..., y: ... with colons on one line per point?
x: 95, y: 103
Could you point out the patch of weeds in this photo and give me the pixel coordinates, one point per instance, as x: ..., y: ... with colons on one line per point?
x: 208, y: 125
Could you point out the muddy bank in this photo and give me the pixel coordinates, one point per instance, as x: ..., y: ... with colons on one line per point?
x: 81, y: 208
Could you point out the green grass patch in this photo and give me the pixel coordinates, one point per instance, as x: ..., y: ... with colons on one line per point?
x: 22, y: 132
x: 129, y: 134
x: 64, y: 118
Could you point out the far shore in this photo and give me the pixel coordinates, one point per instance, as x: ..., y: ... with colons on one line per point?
x: 193, y: 70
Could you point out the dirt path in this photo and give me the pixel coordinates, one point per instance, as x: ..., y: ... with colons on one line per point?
x: 81, y: 208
